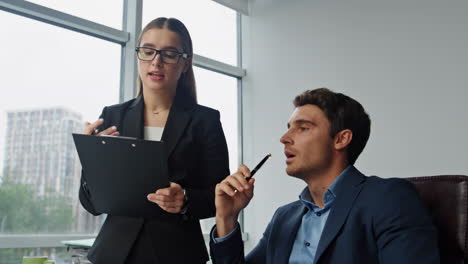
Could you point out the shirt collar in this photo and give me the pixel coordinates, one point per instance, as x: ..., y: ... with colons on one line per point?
x: 339, y: 179
x: 328, y: 196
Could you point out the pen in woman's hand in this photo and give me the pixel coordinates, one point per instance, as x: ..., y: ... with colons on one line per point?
x: 259, y: 165
x: 92, y: 128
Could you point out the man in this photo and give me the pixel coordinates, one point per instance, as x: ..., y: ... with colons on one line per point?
x: 341, y: 216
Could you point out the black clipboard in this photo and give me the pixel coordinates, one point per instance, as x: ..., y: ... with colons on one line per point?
x: 120, y: 172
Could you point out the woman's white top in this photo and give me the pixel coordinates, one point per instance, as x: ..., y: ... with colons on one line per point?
x: 153, y: 133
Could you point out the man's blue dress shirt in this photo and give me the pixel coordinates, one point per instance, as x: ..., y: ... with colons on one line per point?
x: 313, y: 222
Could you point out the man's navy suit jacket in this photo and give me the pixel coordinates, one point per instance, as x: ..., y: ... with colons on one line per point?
x: 372, y: 220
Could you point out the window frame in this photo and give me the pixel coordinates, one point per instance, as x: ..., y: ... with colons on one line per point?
x: 127, y: 37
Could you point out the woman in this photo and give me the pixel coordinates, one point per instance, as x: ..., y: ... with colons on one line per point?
x: 165, y: 109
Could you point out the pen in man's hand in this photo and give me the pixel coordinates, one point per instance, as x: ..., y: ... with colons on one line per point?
x: 259, y: 165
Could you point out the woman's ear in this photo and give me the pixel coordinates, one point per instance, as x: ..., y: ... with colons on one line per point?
x: 343, y: 138
x: 187, y: 64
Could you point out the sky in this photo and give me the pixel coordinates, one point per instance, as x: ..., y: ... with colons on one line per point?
x: 46, y: 66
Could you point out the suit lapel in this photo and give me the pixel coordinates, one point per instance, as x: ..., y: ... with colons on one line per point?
x: 179, y: 117
x: 132, y: 123
x: 289, y: 230
x: 347, y: 191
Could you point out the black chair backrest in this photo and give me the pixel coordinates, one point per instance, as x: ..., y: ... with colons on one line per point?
x: 446, y: 197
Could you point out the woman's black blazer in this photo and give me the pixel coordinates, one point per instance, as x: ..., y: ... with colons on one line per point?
x: 197, y: 160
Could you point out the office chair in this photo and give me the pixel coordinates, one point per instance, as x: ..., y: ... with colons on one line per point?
x: 446, y: 197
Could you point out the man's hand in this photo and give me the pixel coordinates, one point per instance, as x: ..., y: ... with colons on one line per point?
x: 231, y: 196
x: 170, y: 199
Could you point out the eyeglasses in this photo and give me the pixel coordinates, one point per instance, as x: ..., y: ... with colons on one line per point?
x: 166, y: 56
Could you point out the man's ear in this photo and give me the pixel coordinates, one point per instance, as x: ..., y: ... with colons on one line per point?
x: 343, y: 139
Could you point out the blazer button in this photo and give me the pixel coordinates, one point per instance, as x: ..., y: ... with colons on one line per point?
x: 307, y: 244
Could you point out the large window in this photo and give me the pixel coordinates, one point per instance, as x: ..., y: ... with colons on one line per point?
x: 54, y: 79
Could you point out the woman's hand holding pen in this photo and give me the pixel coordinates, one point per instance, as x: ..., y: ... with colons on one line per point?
x: 231, y: 196
x: 170, y: 199
x: 91, y: 129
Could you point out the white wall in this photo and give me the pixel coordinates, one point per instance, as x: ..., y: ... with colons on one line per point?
x: 406, y: 61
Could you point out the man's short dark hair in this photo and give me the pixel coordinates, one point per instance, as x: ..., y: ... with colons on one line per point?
x: 343, y: 112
